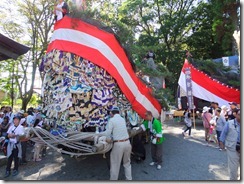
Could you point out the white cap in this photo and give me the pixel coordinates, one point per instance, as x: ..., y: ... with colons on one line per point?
x: 224, y: 107
x: 205, y: 109
x: 21, y: 112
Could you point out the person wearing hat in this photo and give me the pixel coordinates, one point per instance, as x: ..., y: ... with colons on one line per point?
x: 155, y: 127
x: 1, y: 117
x: 117, y: 131
x: 14, y: 151
x: 233, y: 108
x: 224, y: 112
x: 206, y: 117
x: 231, y: 139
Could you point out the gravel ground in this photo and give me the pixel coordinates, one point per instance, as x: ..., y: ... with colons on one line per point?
x: 183, y: 159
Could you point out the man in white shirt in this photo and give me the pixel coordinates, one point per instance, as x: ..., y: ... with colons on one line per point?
x: 121, y: 148
x: 14, y: 150
x: 60, y: 10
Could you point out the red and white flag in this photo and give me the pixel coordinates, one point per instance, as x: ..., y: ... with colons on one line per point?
x: 205, y: 88
x: 102, y: 48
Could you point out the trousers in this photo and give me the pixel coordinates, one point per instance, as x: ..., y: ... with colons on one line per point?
x: 13, y: 156
x: 24, y: 147
x: 121, y: 150
x: 233, y: 162
x: 188, y: 128
x: 157, y: 153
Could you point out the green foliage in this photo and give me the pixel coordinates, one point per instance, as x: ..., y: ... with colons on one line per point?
x: 34, y: 100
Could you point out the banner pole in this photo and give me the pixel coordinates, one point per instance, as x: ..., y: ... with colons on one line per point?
x: 194, y: 120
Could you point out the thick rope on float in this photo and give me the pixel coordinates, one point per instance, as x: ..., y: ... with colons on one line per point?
x: 76, y: 143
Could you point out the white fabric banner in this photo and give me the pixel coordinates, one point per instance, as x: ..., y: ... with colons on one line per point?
x: 225, y: 61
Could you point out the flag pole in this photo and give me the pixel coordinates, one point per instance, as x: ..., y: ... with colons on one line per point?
x: 194, y: 119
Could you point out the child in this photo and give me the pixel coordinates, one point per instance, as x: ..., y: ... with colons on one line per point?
x: 188, y: 122
x: 212, y: 132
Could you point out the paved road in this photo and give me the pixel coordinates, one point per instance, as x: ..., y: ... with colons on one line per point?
x: 183, y: 159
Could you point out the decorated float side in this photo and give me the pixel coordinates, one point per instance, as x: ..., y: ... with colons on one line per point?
x: 86, y: 72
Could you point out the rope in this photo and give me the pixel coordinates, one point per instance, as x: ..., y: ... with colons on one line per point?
x: 73, y: 142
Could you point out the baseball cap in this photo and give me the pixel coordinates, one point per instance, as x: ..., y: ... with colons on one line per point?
x: 18, y: 117
x: 233, y: 103
x: 114, y: 108
x: 1, y: 113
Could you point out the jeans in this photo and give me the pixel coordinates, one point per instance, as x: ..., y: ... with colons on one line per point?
x: 218, y: 134
x: 13, y: 156
x: 188, y: 128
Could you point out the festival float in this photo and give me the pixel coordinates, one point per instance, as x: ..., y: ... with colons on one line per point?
x: 86, y: 72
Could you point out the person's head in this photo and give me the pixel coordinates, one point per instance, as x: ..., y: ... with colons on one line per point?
x: 114, y: 110
x: 148, y: 115
x: 224, y: 108
x: 237, y: 114
x: 21, y: 113
x: 60, y: 1
x: 233, y: 105
x: 17, y: 120
x: 212, y: 104
x: 216, y: 105
x: 217, y: 111
x: 205, y: 109
x: 9, y: 109
x: 1, y: 114
x: 2, y: 109
x: 30, y: 113
x: 6, y: 119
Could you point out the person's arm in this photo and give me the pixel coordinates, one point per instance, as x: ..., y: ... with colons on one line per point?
x: 223, y: 135
x: 143, y: 126
x: 108, y: 130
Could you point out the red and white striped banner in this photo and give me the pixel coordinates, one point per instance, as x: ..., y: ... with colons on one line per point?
x: 205, y: 88
x: 102, y: 48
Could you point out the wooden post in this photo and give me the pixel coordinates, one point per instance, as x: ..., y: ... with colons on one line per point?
x: 194, y: 119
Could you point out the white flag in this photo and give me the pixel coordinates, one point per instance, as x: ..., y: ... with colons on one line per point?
x: 225, y: 61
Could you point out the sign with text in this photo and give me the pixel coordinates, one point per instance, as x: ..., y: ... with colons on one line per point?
x: 189, y: 93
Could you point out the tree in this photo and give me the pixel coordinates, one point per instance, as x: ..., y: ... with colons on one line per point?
x: 226, y: 20
x: 38, y: 20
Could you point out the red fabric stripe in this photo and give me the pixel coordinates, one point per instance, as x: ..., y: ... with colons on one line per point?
x: 97, y: 58
x: 108, y: 38
x: 231, y: 95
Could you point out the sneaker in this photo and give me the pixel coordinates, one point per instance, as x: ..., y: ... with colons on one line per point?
x: 220, y: 149
x: 152, y: 164
x: 7, y: 174
x: 159, y: 167
x: 15, y: 172
x: 183, y: 134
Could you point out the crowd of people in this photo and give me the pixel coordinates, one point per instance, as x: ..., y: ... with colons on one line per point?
x: 12, y: 127
x: 222, y: 127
